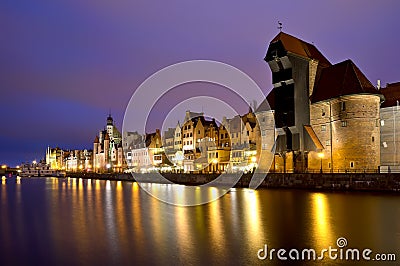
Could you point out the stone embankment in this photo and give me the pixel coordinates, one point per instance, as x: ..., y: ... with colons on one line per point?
x: 312, y: 181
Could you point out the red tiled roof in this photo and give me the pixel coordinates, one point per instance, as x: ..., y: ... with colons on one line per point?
x: 344, y: 78
x: 392, y: 94
x: 300, y: 47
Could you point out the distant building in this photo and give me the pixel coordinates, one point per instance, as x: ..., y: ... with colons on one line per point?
x: 146, y: 152
x: 390, y: 128
x: 107, y: 149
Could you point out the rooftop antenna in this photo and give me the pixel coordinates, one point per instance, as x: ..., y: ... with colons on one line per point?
x: 279, y: 26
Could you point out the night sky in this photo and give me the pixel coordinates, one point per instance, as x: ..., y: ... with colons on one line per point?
x: 64, y: 64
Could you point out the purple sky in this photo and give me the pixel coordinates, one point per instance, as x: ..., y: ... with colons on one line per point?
x: 65, y: 63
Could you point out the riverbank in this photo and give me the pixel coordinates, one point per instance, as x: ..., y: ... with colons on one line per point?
x: 311, y: 181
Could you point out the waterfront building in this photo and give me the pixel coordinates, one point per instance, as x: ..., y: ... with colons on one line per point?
x: 390, y: 128
x: 55, y: 158
x: 147, y: 153
x: 345, y: 117
x: 326, y: 115
x: 77, y: 160
x: 107, y: 149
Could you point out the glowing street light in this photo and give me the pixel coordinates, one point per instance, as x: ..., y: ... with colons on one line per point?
x: 321, y: 156
x: 4, y: 166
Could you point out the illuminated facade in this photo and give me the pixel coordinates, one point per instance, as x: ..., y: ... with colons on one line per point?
x: 107, y: 149
x: 390, y: 128
x: 327, y: 116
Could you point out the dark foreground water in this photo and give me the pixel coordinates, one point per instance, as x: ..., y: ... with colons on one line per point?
x: 91, y: 222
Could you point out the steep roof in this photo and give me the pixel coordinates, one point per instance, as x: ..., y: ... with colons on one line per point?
x: 392, y: 94
x: 300, y: 47
x: 344, y: 78
x: 169, y: 133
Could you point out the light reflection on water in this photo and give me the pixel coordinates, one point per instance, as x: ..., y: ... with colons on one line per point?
x: 76, y: 221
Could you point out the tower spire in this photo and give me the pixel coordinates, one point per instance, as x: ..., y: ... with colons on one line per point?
x: 280, y: 26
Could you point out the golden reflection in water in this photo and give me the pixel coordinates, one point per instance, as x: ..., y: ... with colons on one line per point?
x: 157, y: 219
x: 216, y: 225
x: 120, y: 216
x: 179, y: 193
x: 251, y: 207
x: 183, y: 232
x: 137, y: 217
x: 321, y: 220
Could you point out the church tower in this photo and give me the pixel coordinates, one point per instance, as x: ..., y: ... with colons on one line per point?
x: 110, y: 127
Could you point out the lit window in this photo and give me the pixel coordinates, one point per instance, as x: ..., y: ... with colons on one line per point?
x: 384, y: 144
x: 344, y: 123
x: 382, y: 122
x: 323, y: 127
x: 327, y: 143
x: 343, y: 106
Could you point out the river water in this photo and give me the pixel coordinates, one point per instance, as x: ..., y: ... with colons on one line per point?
x: 90, y: 222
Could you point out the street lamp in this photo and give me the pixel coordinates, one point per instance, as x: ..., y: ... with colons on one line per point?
x: 321, y: 156
x: 108, y: 167
x: 214, y: 161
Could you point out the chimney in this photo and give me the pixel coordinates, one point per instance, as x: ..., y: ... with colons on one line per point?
x: 378, y: 85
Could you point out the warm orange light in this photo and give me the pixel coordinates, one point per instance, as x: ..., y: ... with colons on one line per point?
x: 214, y: 161
x: 4, y: 166
x: 253, y: 159
x: 321, y: 155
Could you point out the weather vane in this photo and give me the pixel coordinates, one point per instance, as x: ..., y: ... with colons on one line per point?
x: 279, y: 26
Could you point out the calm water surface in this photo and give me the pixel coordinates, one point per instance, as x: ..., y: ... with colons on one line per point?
x: 91, y: 222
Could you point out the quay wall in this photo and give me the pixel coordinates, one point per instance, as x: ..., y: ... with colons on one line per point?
x: 318, y: 181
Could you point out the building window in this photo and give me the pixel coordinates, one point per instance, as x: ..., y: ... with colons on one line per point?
x: 323, y: 112
x: 373, y: 139
x: 342, y: 106
x: 216, y: 155
x: 185, y: 127
x: 247, y: 133
x: 191, y: 134
x: 327, y: 143
x: 198, y: 132
x: 184, y: 135
x: 226, y: 135
x: 382, y: 122
x: 222, y: 136
x: 190, y: 142
x: 188, y: 126
x: 344, y: 123
x: 329, y: 165
x: 264, y: 133
x: 323, y: 127
x: 351, y: 164
x: 384, y: 144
